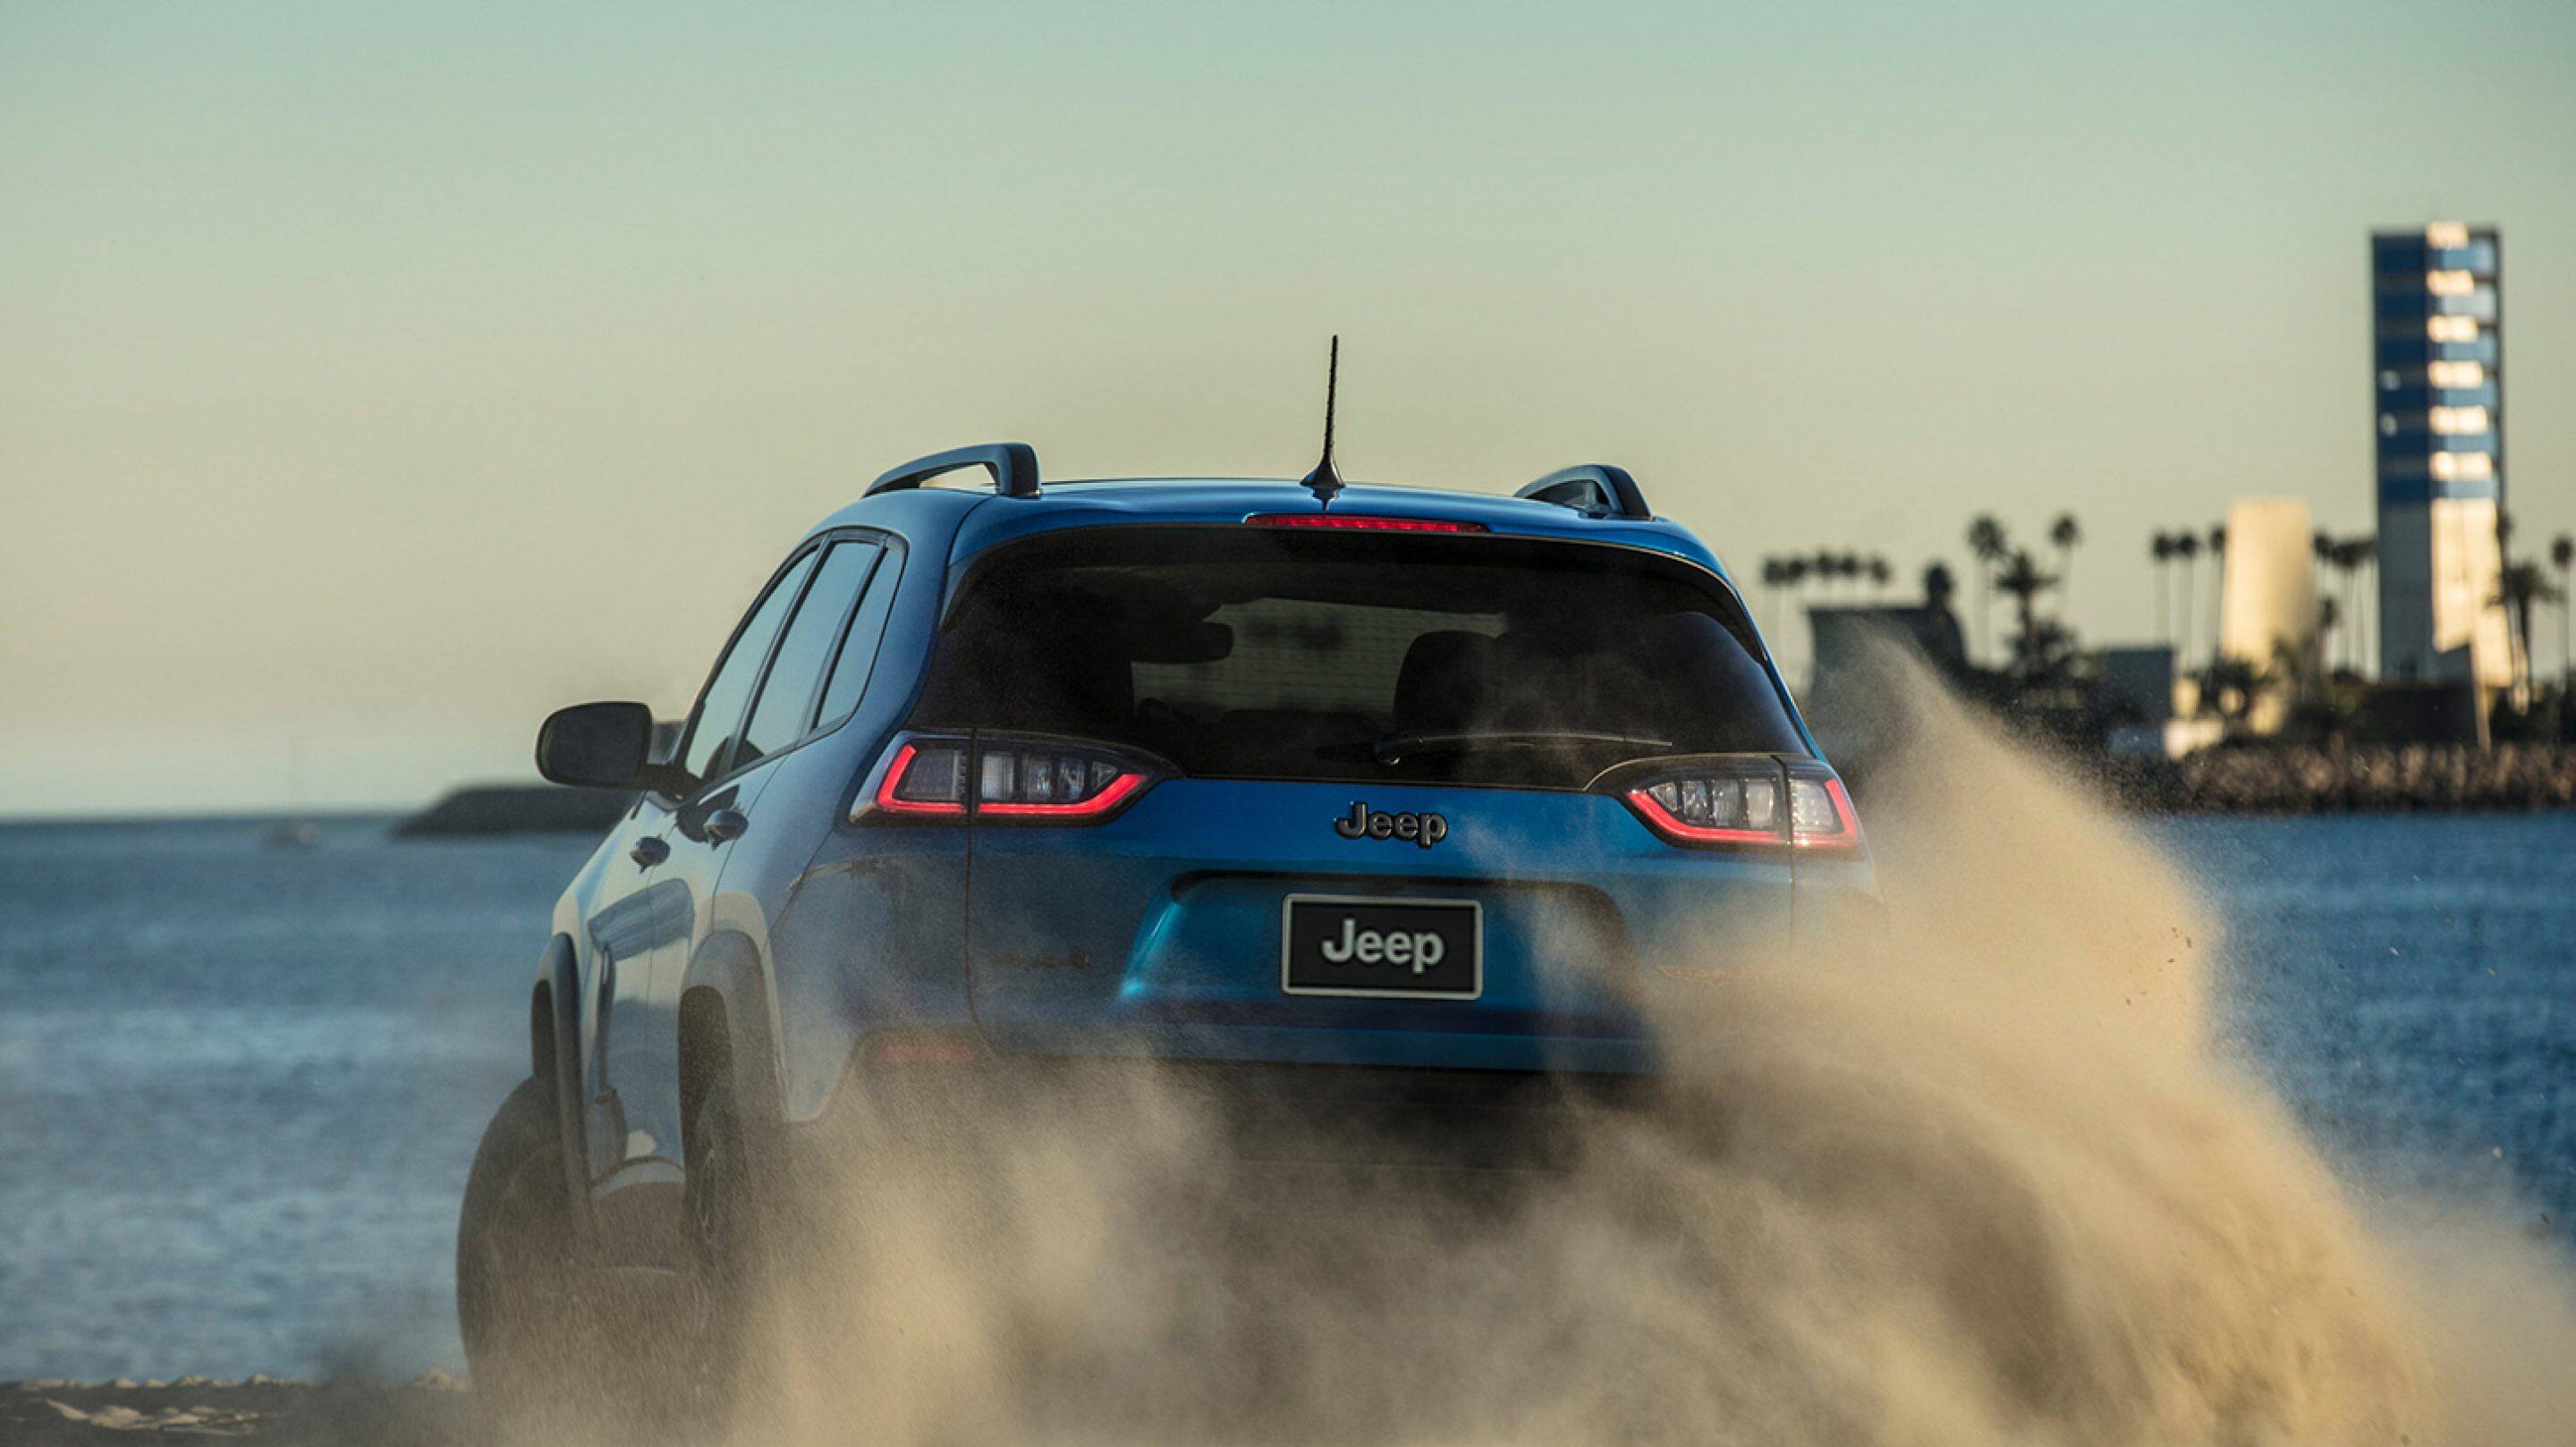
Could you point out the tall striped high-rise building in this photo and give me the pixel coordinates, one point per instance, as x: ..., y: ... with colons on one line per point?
x: 2438, y: 399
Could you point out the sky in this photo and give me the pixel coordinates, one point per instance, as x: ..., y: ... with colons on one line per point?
x: 375, y: 379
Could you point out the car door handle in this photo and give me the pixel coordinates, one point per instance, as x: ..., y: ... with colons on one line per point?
x: 726, y: 824
x: 648, y: 852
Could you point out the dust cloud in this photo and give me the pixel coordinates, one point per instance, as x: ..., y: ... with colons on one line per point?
x: 1977, y: 1179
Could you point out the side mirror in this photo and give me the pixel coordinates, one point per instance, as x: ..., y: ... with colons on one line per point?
x: 602, y: 746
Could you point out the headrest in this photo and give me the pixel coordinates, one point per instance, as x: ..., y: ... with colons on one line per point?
x: 1444, y: 679
x: 1056, y: 671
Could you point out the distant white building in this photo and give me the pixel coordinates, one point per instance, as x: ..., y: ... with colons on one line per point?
x: 2268, y: 589
x: 2268, y: 598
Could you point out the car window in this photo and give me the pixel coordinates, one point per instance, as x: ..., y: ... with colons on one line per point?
x: 1262, y: 653
x: 711, y: 728
x: 859, y: 648
x: 787, y: 694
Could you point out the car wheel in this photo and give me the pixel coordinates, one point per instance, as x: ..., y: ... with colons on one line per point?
x: 723, y: 1267
x: 519, y: 1300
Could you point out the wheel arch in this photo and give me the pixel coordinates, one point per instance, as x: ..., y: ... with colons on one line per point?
x: 554, y: 1060
x: 724, y: 1024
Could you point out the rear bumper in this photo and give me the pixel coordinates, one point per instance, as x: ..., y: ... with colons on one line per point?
x: 1254, y: 1119
x: 1397, y: 1116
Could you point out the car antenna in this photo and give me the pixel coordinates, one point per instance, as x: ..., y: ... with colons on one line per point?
x: 1324, y: 481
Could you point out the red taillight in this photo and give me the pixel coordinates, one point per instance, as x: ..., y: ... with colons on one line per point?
x: 1670, y: 823
x: 925, y: 779
x: 1109, y: 797
x: 1752, y: 803
x: 927, y: 1046
x: 1826, y: 823
x: 1361, y: 522
x: 1016, y: 779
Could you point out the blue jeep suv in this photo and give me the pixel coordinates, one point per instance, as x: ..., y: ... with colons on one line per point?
x: 1290, y: 786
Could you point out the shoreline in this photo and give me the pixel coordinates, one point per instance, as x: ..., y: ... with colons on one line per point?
x: 2265, y: 779
x: 432, y: 1409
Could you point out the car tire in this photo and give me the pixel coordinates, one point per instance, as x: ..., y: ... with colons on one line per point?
x: 726, y: 1261
x: 519, y: 1298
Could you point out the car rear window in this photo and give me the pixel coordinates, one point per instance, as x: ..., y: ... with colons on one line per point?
x: 1247, y: 652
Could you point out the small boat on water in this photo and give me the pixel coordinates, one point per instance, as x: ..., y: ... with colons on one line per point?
x: 294, y: 831
x: 292, y: 834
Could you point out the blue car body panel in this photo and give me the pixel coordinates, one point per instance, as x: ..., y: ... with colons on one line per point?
x: 1158, y: 932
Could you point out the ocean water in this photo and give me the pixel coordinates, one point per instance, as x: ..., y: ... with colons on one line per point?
x: 2407, y: 982
x: 239, y: 1087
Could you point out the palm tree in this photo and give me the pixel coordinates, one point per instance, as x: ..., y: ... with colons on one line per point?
x: 2217, y: 588
x: 2024, y: 582
x: 1939, y: 587
x: 2345, y: 559
x: 2364, y: 554
x: 1988, y: 542
x: 2162, y: 550
x: 2329, y: 616
x: 2518, y: 587
x: 1775, y: 576
x: 2066, y: 534
x: 2562, y: 556
x: 1827, y: 569
x: 1879, y: 573
x: 2187, y: 548
x: 2323, y: 545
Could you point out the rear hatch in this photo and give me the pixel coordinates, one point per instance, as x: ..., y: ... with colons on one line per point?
x: 1346, y: 796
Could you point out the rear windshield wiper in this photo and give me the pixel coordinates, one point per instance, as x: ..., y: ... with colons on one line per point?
x: 1412, y: 743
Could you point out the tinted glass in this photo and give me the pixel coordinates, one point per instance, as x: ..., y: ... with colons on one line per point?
x: 859, y: 648
x: 779, y: 718
x: 1247, y: 652
x: 720, y: 708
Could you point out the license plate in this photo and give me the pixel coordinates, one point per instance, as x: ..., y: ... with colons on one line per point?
x: 1354, y: 945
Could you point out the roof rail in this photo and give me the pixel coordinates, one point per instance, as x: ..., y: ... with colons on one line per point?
x: 1594, y: 489
x: 1014, y: 466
